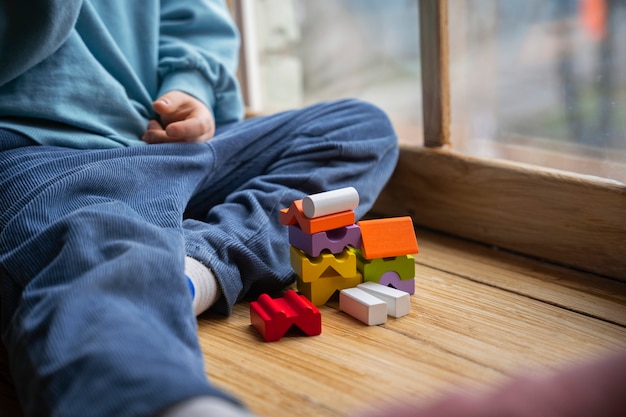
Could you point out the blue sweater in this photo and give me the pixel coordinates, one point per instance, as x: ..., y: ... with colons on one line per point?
x: 84, y: 73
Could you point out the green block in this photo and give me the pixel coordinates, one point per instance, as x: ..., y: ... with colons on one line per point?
x: 373, y: 269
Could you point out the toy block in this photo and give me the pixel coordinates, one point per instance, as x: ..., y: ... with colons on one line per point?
x: 363, y: 306
x: 273, y: 317
x: 320, y: 291
x: 335, y: 240
x: 384, y: 238
x: 329, y: 202
x: 373, y: 269
x: 294, y: 215
x: 325, y: 265
x: 398, y: 302
x: 391, y: 278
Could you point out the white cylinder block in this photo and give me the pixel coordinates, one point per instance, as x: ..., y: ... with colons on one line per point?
x: 329, y: 202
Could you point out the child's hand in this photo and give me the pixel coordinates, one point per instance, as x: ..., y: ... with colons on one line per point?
x: 183, y: 119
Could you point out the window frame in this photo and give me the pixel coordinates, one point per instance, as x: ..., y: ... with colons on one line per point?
x: 566, y: 218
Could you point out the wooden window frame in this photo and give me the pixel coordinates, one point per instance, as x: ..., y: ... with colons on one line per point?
x: 248, y: 71
x: 563, y: 217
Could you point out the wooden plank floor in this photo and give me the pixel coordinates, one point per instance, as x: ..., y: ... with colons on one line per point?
x: 478, y: 316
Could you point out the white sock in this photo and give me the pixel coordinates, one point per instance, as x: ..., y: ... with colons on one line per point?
x: 205, y: 406
x: 205, y: 288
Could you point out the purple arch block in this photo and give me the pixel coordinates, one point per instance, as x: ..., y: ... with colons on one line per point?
x: 391, y: 278
x: 334, y: 240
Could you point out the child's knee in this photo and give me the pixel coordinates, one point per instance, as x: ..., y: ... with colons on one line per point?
x: 376, y: 123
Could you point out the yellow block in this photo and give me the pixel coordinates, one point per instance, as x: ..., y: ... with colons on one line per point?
x: 310, y: 269
x: 320, y: 290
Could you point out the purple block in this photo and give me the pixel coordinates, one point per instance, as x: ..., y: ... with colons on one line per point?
x: 391, y: 278
x: 334, y: 240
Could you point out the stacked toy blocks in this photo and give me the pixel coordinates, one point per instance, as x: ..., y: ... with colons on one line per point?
x: 322, y: 236
x: 273, y: 317
x: 330, y: 253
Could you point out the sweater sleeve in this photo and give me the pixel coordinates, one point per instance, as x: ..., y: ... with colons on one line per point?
x: 29, y: 33
x: 198, y: 53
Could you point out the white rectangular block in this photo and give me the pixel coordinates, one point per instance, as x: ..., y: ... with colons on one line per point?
x: 398, y: 302
x: 363, y: 306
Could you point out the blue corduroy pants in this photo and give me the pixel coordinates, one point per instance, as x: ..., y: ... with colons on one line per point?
x: 96, y: 311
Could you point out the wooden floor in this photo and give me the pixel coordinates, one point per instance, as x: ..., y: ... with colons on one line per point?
x: 478, y: 316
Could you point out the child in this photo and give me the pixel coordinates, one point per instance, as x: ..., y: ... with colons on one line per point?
x: 100, y: 237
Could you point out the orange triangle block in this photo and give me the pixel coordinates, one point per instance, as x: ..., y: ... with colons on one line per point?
x: 294, y: 214
x: 386, y: 238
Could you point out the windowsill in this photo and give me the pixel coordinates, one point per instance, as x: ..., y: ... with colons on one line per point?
x: 567, y: 218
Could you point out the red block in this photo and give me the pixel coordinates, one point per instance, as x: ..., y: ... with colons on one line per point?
x: 273, y: 317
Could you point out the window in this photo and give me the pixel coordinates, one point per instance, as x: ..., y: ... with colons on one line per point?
x: 541, y: 82
x: 500, y: 81
x: 310, y: 51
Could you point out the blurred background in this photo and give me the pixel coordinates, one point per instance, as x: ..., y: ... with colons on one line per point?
x: 537, y: 81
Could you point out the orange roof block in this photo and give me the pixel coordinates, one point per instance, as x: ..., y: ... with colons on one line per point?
x: 385, y: 238
x: 294, y: 214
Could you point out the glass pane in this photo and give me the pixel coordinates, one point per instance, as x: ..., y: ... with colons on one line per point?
x: 311, y: 51
x: 541, y: 82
